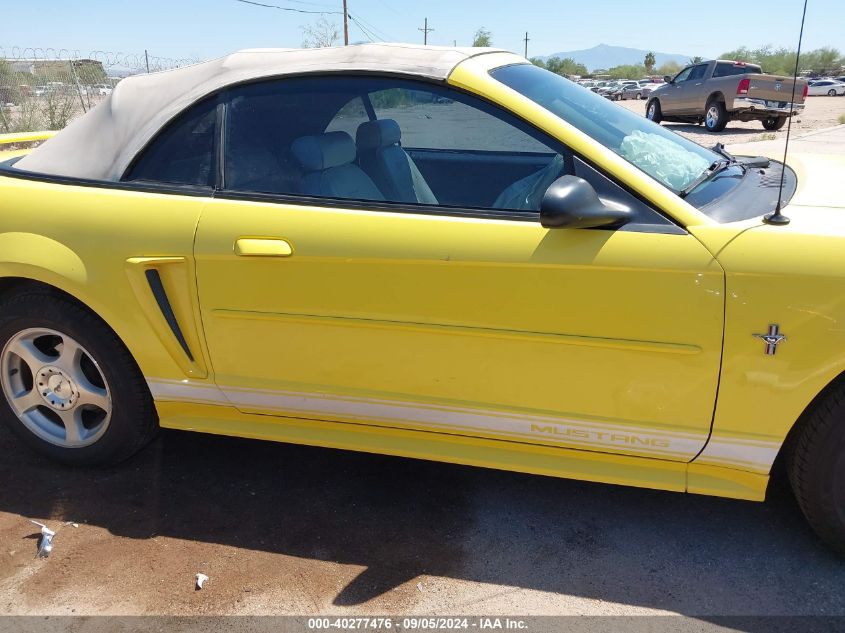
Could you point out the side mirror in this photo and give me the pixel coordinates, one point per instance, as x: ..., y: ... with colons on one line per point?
x: 667, y: 79
x: 571, y: 202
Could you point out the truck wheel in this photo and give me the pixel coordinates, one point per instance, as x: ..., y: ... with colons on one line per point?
x: 774, y: 123
x: 652, y: 111
x: 716, y: 117
x: 71, y: 390
x: 816, y: 467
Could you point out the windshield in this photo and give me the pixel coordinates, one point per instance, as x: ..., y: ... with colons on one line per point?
x: 670, y: 159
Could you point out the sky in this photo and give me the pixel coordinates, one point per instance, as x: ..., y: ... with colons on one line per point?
x: 202, y: 29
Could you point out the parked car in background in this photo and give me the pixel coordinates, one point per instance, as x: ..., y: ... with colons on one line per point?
x: 613, y: 90
x: 638, y: 91
x: 829, y: 87
x: 102, y: 90
x: 718, y: 91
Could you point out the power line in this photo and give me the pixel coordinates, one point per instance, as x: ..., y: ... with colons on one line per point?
x: 361, y: 28
x: 383, y: 35
x: 275, y: 6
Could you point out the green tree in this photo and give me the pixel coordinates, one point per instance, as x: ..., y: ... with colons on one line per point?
x: 567, y: 66
x: 669, y: 68
x: 538, y: 62
x: 483, y: 37
x: 649, y: 61
x: 696, y: 60
x: 781, y: 61
x: 829, y: 59
x: 627, y: 71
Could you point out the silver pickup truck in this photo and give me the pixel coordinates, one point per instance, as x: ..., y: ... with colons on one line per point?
x: 719, y: 91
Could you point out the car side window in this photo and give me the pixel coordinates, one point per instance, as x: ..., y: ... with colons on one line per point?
x: 427, y: 144
x: 183, y: 152
x: 683, y: 75
x: 698, y: 72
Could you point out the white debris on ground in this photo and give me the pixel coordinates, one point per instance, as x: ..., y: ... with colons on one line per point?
x: 45, y: 541
x: 200, y: 580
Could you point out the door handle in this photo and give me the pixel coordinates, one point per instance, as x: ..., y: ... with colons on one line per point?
x: 263, y: 247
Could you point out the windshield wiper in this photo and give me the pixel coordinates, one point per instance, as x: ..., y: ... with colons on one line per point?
x: 719, y: 148
x: 706, y: 175
x: 757, y: 161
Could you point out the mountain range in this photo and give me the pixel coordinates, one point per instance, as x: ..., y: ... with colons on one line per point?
x: 607, y: 56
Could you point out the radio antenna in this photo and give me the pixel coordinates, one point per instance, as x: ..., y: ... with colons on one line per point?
x: 777, y: 217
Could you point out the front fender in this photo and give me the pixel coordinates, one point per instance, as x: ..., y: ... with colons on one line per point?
x: 792, y: 277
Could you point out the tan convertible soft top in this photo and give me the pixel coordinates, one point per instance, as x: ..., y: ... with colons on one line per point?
x: 101, y: 144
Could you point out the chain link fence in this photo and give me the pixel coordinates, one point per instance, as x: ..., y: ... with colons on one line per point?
x: 45, y: 88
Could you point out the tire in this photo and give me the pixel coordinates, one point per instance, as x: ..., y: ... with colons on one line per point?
x: 774, y: 123
x: 638, y: 96
x: 716, y: 117
x: 653, y: 111
x: 95, y: 408
x: 831, y: 92
x: 815, y: 460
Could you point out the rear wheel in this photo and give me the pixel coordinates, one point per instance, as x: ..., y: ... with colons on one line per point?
x: 816, y: 465
x: 71, y: 389
x: 652, y: 111
x: 774, y: 123
x: 716, y: 117
x: 831, y: 92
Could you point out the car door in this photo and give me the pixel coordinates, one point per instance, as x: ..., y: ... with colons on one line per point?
x: 464, y: 317
x: 671, y: 101
x: 693, y: 90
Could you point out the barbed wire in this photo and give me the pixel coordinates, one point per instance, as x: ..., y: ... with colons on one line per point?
x: 109, y: 59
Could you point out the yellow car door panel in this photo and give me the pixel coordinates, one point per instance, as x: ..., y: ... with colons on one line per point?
x: 607, y: 340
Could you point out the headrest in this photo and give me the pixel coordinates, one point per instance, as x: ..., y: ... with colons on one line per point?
x: 375, y: 134
x: 324, y: 151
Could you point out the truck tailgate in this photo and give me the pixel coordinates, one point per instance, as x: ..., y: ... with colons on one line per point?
x: 774, y: 88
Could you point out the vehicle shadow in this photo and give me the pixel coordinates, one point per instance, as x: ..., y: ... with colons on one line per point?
x: 399, y: 518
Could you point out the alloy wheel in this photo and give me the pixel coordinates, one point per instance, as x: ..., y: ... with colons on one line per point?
x: 55, y: 387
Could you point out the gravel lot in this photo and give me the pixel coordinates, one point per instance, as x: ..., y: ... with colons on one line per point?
x: 821, y: 112
x: 291, y: 529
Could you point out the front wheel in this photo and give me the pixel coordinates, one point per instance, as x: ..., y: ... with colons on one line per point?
x: 774, y: 123
x: 816, y: 467
x: 716, y: 117
x: 71, y: 389
x: 652, y: 111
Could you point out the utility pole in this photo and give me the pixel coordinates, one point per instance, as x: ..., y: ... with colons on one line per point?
x: 345, y: 25
x: 526, y: 44
x: 147, y: 58
x: 425, y: 31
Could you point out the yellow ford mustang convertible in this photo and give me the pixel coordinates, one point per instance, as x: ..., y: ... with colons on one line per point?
x: 447, y: 254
